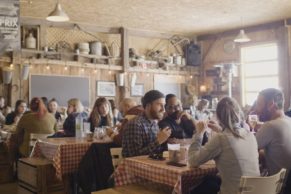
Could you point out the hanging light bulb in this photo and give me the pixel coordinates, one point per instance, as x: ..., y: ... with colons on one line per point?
x: 47, y: 67
x: 58, y: 14
x: 82, y: 69
x: 95, y: 70
x: 191, y: 76
x: 11, y: 66
x: 109, y: 72
x: 66, y: 67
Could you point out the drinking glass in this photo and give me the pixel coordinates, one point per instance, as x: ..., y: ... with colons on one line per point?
x: 253, y: 120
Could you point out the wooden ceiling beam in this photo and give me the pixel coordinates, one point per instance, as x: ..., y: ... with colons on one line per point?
x: 249, y: 29
x: 68, y: 25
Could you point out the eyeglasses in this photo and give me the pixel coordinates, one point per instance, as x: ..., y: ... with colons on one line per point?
x: 174, y: 107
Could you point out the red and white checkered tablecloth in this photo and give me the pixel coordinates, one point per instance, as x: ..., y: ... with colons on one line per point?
x: 136, y: 169
x: 66, y: 153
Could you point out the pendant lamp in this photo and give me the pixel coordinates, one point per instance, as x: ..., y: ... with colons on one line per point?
x: 58, y: 14
x: 241, y: 37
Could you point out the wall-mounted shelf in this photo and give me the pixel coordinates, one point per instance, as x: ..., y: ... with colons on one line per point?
x: 73, y: 64
x: 68, y: 54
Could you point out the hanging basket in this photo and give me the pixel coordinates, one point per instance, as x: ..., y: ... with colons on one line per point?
x: 119, y: 79
x: 24, y: 72
x: 7, y: 75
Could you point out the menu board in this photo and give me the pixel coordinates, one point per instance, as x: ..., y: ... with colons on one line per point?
x: 9, y: 26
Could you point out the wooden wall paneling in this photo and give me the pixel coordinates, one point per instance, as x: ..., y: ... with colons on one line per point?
x: 284, y: 63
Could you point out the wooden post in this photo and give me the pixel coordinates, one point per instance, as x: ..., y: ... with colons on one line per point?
x: 124, y: 59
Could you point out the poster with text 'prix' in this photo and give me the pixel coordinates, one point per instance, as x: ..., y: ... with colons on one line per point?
x: 9, y: 26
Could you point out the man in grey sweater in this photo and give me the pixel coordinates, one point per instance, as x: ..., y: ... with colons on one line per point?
x: 274, y: 136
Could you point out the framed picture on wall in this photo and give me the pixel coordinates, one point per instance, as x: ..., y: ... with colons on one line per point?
x: 137, y: 90
x: 105, y: 88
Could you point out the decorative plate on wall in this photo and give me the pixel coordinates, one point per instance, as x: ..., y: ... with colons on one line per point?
x: 229, y: 46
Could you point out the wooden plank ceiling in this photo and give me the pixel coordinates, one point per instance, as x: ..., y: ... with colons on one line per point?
x: 187, y: 17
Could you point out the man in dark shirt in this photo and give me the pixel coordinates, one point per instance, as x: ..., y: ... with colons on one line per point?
x: 142, y: 135
x: 180, y: 122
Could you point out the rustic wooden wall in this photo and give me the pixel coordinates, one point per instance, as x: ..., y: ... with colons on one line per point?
x: 213, y: 53
x: 20, y: 88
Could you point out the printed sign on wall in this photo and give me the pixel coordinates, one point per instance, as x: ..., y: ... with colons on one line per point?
x: 9, y: 26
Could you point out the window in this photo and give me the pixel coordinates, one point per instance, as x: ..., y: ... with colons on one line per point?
x: 260, y: 70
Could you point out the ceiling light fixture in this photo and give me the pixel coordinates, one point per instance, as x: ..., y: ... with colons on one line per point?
x: 58, y: 14
x: 241, y: 37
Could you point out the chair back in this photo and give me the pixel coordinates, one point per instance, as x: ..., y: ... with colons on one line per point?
x: 116, y: 155
x: 262, y: 185
x: 35, y: 136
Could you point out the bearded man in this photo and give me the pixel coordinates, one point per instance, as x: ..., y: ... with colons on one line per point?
x: 142, y: 135
x: 274, y: 136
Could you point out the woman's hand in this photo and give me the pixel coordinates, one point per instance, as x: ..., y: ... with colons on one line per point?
x: 214, y: 126
x: 201, y: 126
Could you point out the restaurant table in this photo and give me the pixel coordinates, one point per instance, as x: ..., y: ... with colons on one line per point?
x: 66, y: 153
x: 140, y: 168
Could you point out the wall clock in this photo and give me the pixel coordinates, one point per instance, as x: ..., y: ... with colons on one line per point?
x: 229, y: 46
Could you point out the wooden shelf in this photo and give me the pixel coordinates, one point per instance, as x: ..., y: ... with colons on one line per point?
x: 158, y: 71
x: 73, y: 64
x: 68, y: 54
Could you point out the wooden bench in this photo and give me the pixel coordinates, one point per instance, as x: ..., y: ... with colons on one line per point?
x: 37, y: 175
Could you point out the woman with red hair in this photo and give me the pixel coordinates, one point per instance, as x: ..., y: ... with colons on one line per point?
x: 36, y: 121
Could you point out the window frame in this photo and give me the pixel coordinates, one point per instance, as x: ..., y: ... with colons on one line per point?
x: 243, y: 79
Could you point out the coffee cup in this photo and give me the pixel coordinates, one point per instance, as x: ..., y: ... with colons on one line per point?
x: 89, y: 136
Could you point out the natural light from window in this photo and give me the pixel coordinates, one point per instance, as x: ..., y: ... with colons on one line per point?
x: 259, y: 70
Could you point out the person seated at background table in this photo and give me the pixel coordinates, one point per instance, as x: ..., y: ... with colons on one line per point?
x: 53, y: 109
x: 142, y: 135
x: 7, y: 110
x: 274, y: 136
x: 75, y: 108
x: 2, y: 105
x: 117, y: 116
x: 130, y: 110
x: 180, y: 122
x: 37, y: 121
x: 201, y: 112
x: 13, y: 117
x: 45, y: 101
x: 101, y: 114
x: 234, y: 149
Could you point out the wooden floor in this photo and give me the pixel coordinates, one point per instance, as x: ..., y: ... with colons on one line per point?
x: 8, y: 188
x: 11, y: 188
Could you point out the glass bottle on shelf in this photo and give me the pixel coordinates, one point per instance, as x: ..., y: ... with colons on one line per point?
x: 30, y: 42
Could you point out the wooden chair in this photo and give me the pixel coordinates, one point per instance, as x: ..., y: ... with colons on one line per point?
x: 116, y: 155
x: 34, y: 137
x: 262, y: 185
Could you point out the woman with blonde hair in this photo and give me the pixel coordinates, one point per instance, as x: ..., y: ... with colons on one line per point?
x: 75, y: 108
x: 234, y: 149
x: 101, y: 114
x: 36, y: 121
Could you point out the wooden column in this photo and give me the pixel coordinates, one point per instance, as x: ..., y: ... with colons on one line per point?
x: 284, y: 66
x: 125, y: 60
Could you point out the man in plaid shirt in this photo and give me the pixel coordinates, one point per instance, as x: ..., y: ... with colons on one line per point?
x: 142, y: 135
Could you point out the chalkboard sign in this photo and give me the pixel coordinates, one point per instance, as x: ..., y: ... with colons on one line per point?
x: 9, y: 26
x: 62, y: 88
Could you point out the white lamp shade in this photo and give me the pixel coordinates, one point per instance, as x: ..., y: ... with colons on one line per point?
x: 58, y: 15
x: 119, y: 79
x: 242, y: 37
x: 7, y: 75
x: 25, y: 72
